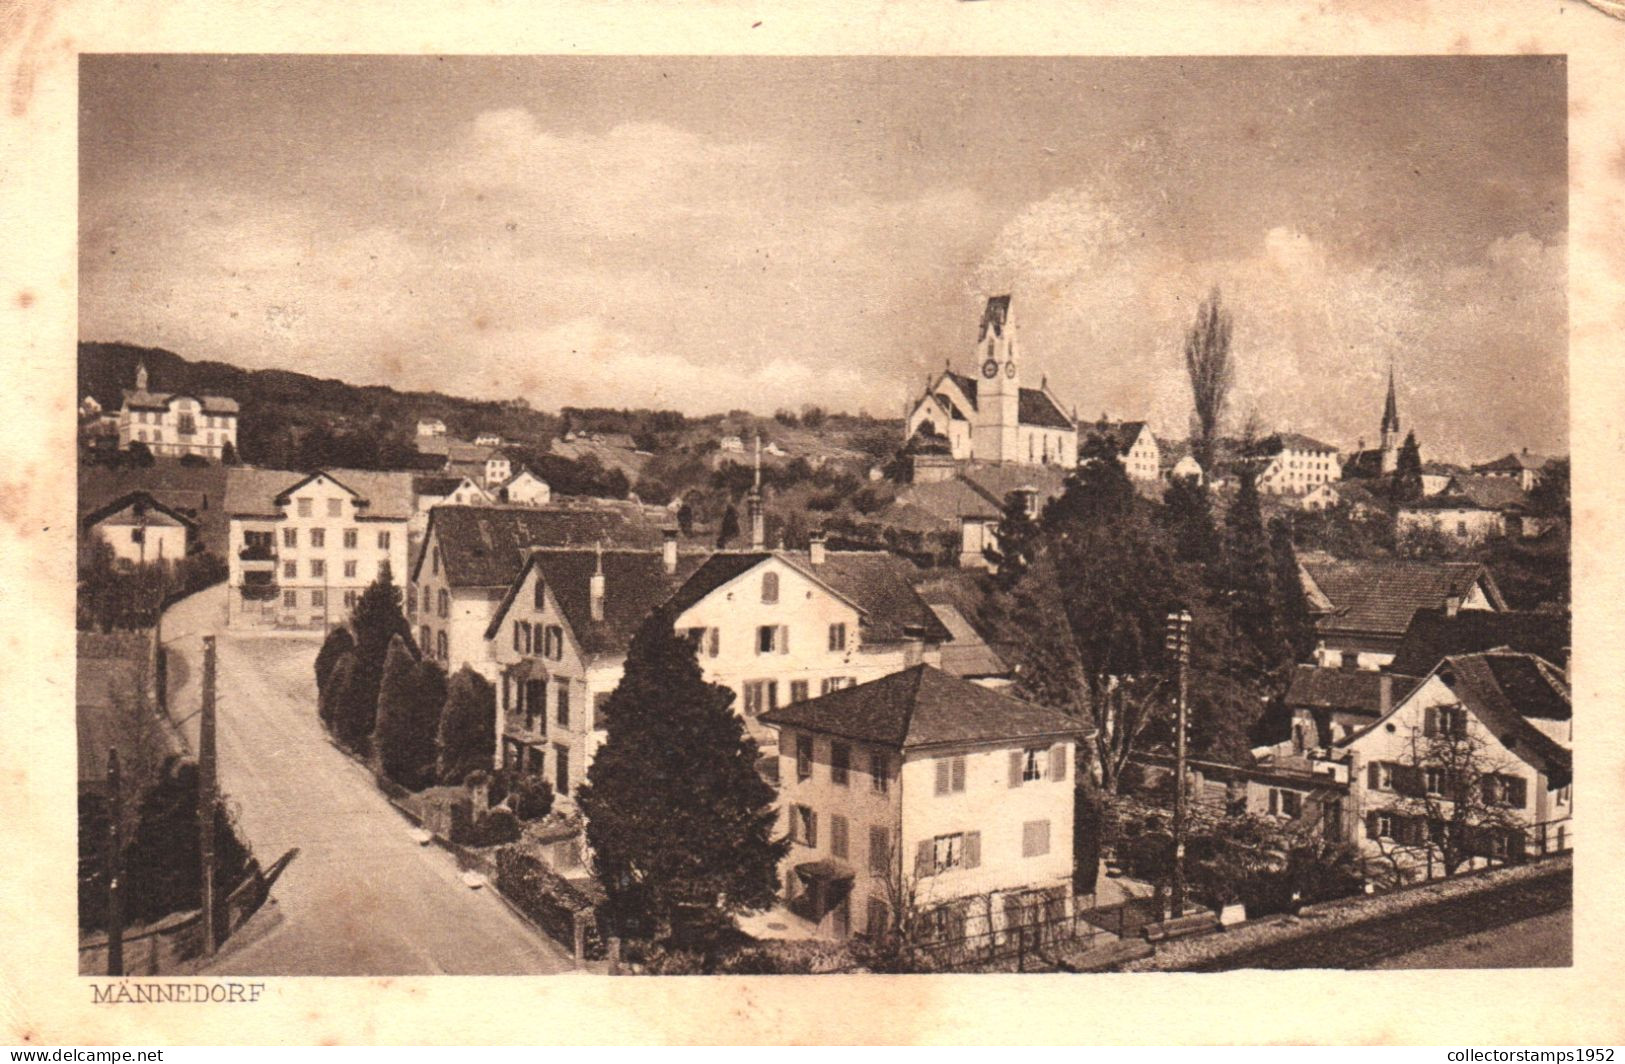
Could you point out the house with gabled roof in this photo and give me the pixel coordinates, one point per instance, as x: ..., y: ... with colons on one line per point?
x: 1136, y: 445
x: 1521, y: 467
x: 176, y: 423
x: 1514, y: 713
x: 1362, y: 607
x: 927, y: 786
x: 470, y: 556
x: 141, y: 529
x: 987, y: 415
x: 303, y: 546
x: 1469, y: 510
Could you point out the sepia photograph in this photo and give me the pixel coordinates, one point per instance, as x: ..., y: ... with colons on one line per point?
x: 744, y: 515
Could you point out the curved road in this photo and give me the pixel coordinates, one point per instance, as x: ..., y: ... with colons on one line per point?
x: 362, y: 898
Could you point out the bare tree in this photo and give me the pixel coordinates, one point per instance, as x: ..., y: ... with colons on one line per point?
x: 1454, y: 801
x: 1207, y: 361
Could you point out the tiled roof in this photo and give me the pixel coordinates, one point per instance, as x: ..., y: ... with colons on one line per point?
x: 435, y: 485
x: 968, y: 654
x: 212, y: 404
x: 999, y: 480
x: 635, y: 583
x: 1476, y: 492
x: 1516, y: 461
x: 1122, y: 434
x: 484, y: 546
x: 939, y: 505
x: 925, y: 707
x: 253, y: 492
x: 143, y: 502
x: 1036, y: 408
x: 1380, y: 597
x: 1434, y: 635
x: 1504, y: 689
x: 1344, y: 690
x: 875, y: 582
x: 1290, y: 441
x: 966, y: 385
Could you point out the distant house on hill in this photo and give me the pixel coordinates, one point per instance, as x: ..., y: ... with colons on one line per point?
x: 1136, y: 445
x: 431, y: 427
x: 1470, y: 510
x: 176, y: 424
x: 1289, y: 463
x: 970, y: 504
x: 1362, y: 608
x: 1521, y: 466
x: 525, y: 488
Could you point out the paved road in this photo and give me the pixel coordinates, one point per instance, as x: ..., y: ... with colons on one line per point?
x: 1387, y: 940
x: 361, y: 898
x: 1545, y: 941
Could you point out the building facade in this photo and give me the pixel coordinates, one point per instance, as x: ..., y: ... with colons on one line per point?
x: 1363, y: 607
x: 140, y: 530
x: 1289, y: 463
x: 302, y: 547
x: 925, y: 790
x: 176, y: 424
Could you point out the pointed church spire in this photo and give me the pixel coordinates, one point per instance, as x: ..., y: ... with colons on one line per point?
x: 1390, y: 411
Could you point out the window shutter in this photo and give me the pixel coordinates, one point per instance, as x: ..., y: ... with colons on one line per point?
x: 925, y: 858
x: 959, y: 774
x: 973, y: 849
x: 1057, y: 762
x: 1520, y: 792
x: 812, y: 829
x: 715, y: 635
x: 1371, y: 829
x: 943, y: 768
x: 1275, y: 801
x: 1373, y: 777
x: 784, y: 639
x: 1016, y: 757
x: 837, y: 835
x: 1430, y: 721
x: 1488, y: 784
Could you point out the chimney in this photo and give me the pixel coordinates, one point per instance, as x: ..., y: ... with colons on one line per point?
x: 668, y: 550
x: 815, y: 549
x: 1452, y: 605
x: 1385, y: 694
x: 595, y: 586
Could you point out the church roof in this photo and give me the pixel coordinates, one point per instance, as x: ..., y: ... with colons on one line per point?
x: 995, y: 315
x: 1033, y: 407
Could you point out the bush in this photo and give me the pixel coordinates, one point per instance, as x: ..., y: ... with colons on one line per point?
x: 194, y: 460
x: 546, y: 897
x: 497, y: 827
x: 531, y: 797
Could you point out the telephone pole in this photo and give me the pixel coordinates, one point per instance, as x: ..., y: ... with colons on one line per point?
x: 115, y: 868
x: 206, y: 794
x: 1179, y: 646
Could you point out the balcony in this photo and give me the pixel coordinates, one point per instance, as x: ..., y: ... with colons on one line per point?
x: 257, y: 552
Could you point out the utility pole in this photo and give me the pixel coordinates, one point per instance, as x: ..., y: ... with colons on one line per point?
x: 206, y: 791
x: 1179, y: 646
x: 115, y: 868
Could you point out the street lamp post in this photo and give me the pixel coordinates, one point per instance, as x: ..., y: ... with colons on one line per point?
x: 1178, y: 644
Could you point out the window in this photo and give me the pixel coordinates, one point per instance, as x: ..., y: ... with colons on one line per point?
x: 335, y: 507
x: 1563, y: 796
x: 760, y: 696
x: 561, y: 769
x: 1380, y: 776
x: 1461, y: 528
x: 563, y: 717
x: 1433, y: 780
x: 879, y: 917
x: 290, y: 537
x: 349, y: 570
x: 318, y: 537
x: 950, y: 775
x: 837, y: 835
x: 424, y: 641
x: 879, y: 772
x: 1035, y: 838
x: 440, y: 646
x: 527, y: 637
x: 1350, y: 659
x: 290, y: 599
x: 798, y: 690
x: 1384, y: 825
x: 351, y: 597
x: 837, y: 636
x: 290, y: 570
x: 186, y: 425
x: 383, y: 541
x: 304, y: 507
x: 318, y: 568
x: 879, y: 850
x: 833, y: 683
x: 1031, y: 766
x: 840, y: 763
x: 804, y: 757
x: 770, y: 587
x: 434, y: 561
x: 539, y: 595
x: 428, y: 603
x: 318, y: 597
x: 444, y: 602
x: 773, y: 638
x: 1285, y: 803
x: 555, y: 642
x: 351, y: 538
x: 1450, y: 720
x: 517, y: 645
x: 804, y: 826
x: 138, y: 535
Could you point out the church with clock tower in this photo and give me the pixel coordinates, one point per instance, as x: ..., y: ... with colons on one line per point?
x: 986, y: 415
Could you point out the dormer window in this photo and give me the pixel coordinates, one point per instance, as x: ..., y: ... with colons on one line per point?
x: 770, y: 587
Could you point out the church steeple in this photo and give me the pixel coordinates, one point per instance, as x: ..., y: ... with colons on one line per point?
x: 1390, y: 427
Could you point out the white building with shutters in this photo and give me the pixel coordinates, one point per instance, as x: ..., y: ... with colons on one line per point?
x: 924, y: 785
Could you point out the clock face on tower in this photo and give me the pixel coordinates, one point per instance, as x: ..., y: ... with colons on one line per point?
x: 990, y: 369
x: 1010, y: 370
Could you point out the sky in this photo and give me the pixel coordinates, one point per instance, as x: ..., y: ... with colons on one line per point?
x: 706, y: 233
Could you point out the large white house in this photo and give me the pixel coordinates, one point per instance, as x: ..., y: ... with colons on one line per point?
x: 176, y: 424
x: 1289, y: 463
x: 988, y: 416
x: 923, y: 788
x: 303, y: 546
